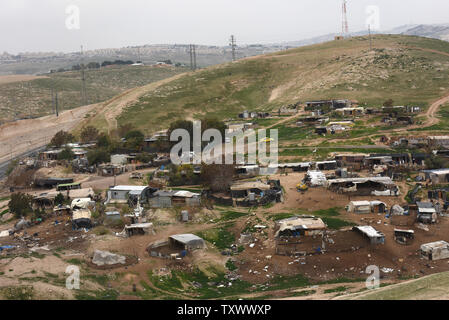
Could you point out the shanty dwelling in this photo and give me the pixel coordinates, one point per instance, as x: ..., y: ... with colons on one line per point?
x: 378, y: 160
x: 426, y: 212
x: 378, y: 207
x: 353, y: 161
x: 294, y: 167
x: 300, y: 235
x: 359, y: 207
x: 397, y: 158
x: 438, y: 141
x: 351, y: 111
x: 46, y: 200
x: 366, y: 207
x: 186, y: 198
x: 249, y: 190
x: 375, y: 237
x: 187, y: 242
x: 81, y: 219
x: 300, y: 226
x: 49, y: 155
x: 377, y: 186
x: 326, y: 165
x: 139, y: 229
x: 110, y: 170
x: 404, y: 237
x: 435, y: 250
x: 437, y: 176
x: 112, y: 216
x: 121, y: 194
x: 161, y: 199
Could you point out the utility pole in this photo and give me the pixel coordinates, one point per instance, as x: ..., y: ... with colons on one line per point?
x: 194, y: 57
x: 56, y: 104
x: 232, y: 43
x: 83, y: 79
x: 344, y: 26
x: 192, y: 51
x: 53, y: 99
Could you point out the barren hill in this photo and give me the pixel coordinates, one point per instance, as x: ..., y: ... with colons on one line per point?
x: 407, y: 69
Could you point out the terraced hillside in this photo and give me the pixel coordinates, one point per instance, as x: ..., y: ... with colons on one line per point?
x: 407, y: 69
x: 22, y: 96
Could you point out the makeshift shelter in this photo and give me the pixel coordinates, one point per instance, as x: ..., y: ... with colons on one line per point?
x: 186, y: 198
x: 437, y: 176
x: 81, y: 219
x: 300, y: 226
x: 374, y: 236
x: 186, y: 242
x: 121, y: 194
x: 359, y: 207
x: 327, y: 165
x: 378, y: 186
x: 435, y: 250
x: 404, y: 236
x: 426, y: 212
x: 161, y: 199
x: 139, y: 229
x: 246, y: 189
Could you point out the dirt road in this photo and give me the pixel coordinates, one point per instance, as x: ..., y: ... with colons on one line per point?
x: 432, y: 112
x: 19, y: 137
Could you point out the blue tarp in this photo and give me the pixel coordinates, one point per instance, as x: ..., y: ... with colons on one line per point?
x: 6, y: 247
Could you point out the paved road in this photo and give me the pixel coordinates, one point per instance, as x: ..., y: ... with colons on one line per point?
x: 4, y: 165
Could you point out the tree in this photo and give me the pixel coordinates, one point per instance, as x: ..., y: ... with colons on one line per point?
x: 62, y: 137
x: 93, y: 65
x: 436, y: 162
x: 66, y: 154
x: 218, y: 177
x: 145, y: 157
x: 134, y: 139
x: 20, y: 204
x: 103, y: 141
x: 98, y: 156
x: 59, y: 199
x: 89, y: 134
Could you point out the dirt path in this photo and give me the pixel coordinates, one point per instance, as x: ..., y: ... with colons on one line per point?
x: 431, y: 114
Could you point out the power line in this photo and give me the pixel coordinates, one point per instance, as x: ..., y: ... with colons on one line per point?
x: 192, y: 51
x: 232, y: 43
x: 344, y: 26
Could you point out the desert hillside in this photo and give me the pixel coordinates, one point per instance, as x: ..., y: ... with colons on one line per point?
x: 410, y: 70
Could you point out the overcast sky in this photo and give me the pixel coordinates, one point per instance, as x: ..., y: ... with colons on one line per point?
x: 41, y: 25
